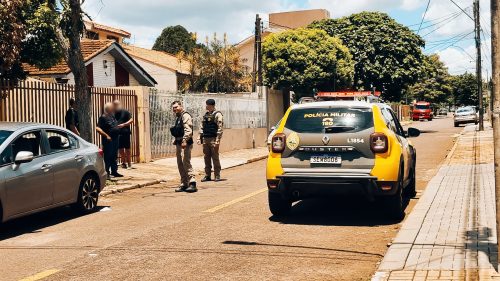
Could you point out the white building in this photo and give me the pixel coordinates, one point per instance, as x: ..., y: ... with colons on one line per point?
x: 108, y: 65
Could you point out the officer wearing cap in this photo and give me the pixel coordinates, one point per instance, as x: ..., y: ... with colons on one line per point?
x: 210, y: 136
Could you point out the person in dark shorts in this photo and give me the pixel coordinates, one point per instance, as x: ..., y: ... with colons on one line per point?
x: 125, y: 120
x: 71, y: 118
x: 109, y: 130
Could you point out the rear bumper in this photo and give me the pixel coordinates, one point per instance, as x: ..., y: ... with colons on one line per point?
x: 465, y: 120
x: 421, y: 116
x: 297, y: 186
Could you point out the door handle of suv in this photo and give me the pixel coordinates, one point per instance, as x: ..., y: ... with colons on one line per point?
x: 78, y: 158
x: 46, y: 167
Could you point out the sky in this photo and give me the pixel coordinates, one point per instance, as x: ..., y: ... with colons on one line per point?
x: 447, y: 30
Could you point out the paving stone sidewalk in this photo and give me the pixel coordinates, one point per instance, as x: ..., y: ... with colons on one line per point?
x: 451, y: 233
x: 165, y: 170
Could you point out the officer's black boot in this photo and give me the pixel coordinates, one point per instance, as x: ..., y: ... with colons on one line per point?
x: 192, y: 187
x: 181, y: 188
x: 206, y: 178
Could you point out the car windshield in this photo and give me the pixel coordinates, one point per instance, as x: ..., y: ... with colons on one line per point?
x: 465, y: 110
x: 421, y: 106
x: 329, y: 120
x: 4, y: 135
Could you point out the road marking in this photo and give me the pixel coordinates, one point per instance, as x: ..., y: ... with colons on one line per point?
x: 41, y: 275
x: 232, y: 202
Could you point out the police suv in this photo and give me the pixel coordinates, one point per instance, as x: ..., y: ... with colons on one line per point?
x: 344, y: 146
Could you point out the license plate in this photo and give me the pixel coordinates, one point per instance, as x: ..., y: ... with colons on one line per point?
x: 326, y: 160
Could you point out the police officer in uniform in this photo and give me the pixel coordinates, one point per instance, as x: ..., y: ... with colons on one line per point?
x: 210, y: 136
x: 182, y: 131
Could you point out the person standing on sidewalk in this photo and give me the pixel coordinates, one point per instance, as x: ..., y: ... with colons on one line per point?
x: 182, y: 131
x: 124, y: 118
x: 210, y: 136
x: 71, y: 118
x: 108, y: 128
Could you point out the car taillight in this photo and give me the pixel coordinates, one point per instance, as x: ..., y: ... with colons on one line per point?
x: 278, y: 143
x: 101, y: 152
x: 379, y: 143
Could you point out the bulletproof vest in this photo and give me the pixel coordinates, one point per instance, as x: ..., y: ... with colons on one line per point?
x: 210, y: 126
x: 177, y: 130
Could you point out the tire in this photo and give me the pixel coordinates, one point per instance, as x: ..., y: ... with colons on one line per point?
x: 393, y: 205
x: 411, y: 188
x: 88, y: 194
x: 279, y: 206
x: 456, y: 124
x: 430, y: 119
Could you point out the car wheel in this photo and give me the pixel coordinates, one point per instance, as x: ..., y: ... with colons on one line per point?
x: 411, y: 189
x: 278, y: 205
x: 393, y: 205
x: 456, y: 124
x: 88, y: 194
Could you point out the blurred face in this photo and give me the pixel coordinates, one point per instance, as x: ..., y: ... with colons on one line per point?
x: 117, y: 105
x: 109, y: 108
x: 177, y: 108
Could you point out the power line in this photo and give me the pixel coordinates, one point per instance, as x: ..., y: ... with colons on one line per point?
x: 449, y: 17
x: 463, y: 11
x: 456, y: 41
x: 441, y: 26
x: 423, y: 17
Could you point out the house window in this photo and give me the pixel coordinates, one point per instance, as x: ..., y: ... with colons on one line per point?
x: 90, y: 75
x: 114, y: 38
x: 92, y: 35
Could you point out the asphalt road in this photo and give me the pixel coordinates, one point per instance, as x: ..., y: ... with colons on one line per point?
x: 223, y: 232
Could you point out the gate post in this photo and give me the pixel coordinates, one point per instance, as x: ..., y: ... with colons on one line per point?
x: 143, y: 124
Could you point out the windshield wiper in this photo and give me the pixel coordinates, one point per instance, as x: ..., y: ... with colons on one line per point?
x: 338, y: 129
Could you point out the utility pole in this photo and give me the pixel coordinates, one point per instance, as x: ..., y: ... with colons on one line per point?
x: 479, y: 77
x: 495, y: 95
x: 257, y: 55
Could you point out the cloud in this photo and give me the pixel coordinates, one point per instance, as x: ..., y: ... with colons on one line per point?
x: 339, y: 8
x: 146, y: 19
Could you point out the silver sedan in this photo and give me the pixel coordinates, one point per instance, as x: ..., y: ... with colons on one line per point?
x: 43, y: 167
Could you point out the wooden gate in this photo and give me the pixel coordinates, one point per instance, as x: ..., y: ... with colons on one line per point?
x: 40, y: 102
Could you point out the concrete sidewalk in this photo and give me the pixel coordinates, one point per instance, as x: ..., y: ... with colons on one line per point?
x: 165, y: 170
x: 451, y: 233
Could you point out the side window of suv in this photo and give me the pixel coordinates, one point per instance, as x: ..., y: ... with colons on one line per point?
x: 389, y: 120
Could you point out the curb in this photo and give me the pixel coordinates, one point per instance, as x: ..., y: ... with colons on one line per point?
x: 153, y: 182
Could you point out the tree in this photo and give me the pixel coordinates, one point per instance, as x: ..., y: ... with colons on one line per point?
x: 305, y: 59
x: 435, y: 83
x: 465, y: 89
x: 72, y: 27
x: 174, y: 39
x: 216, y: 68
x: 28, y: 34
x: 387, y: 54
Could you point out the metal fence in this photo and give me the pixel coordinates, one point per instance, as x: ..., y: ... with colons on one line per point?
x: 240, y: 111
x: 41, y: 102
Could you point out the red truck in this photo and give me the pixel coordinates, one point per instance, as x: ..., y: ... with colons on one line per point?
x: 422, y: 110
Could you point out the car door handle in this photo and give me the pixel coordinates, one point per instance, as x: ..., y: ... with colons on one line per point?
x: 78, y: 158
x: 46, y: 167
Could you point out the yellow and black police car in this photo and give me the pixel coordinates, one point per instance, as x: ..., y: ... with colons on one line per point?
x: 341, y: 147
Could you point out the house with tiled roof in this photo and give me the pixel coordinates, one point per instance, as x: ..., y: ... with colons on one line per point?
x: 107, y: 63
x: 168, y: 70
x: 97, y: 31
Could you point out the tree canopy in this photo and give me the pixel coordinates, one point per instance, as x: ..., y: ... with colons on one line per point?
x: 435, y: 84
x: 465, y: 89
x: 174, y: 39
x: 216, y: 68
x: 305, y: 59
x: 387, y: 54
x: 28, y: 34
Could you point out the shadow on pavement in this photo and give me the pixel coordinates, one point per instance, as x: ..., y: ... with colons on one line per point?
x: 337, y: 211
x: 33, y: 223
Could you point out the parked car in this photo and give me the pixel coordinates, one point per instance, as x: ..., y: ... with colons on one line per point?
x: 465, y: 115
x: 341, y: 147
x: 443, y: 112
x: 422, y: 111
x: 43, y: 167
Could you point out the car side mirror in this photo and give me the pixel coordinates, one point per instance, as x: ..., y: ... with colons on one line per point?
x: 413, y: 133
x: 23, y: 157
